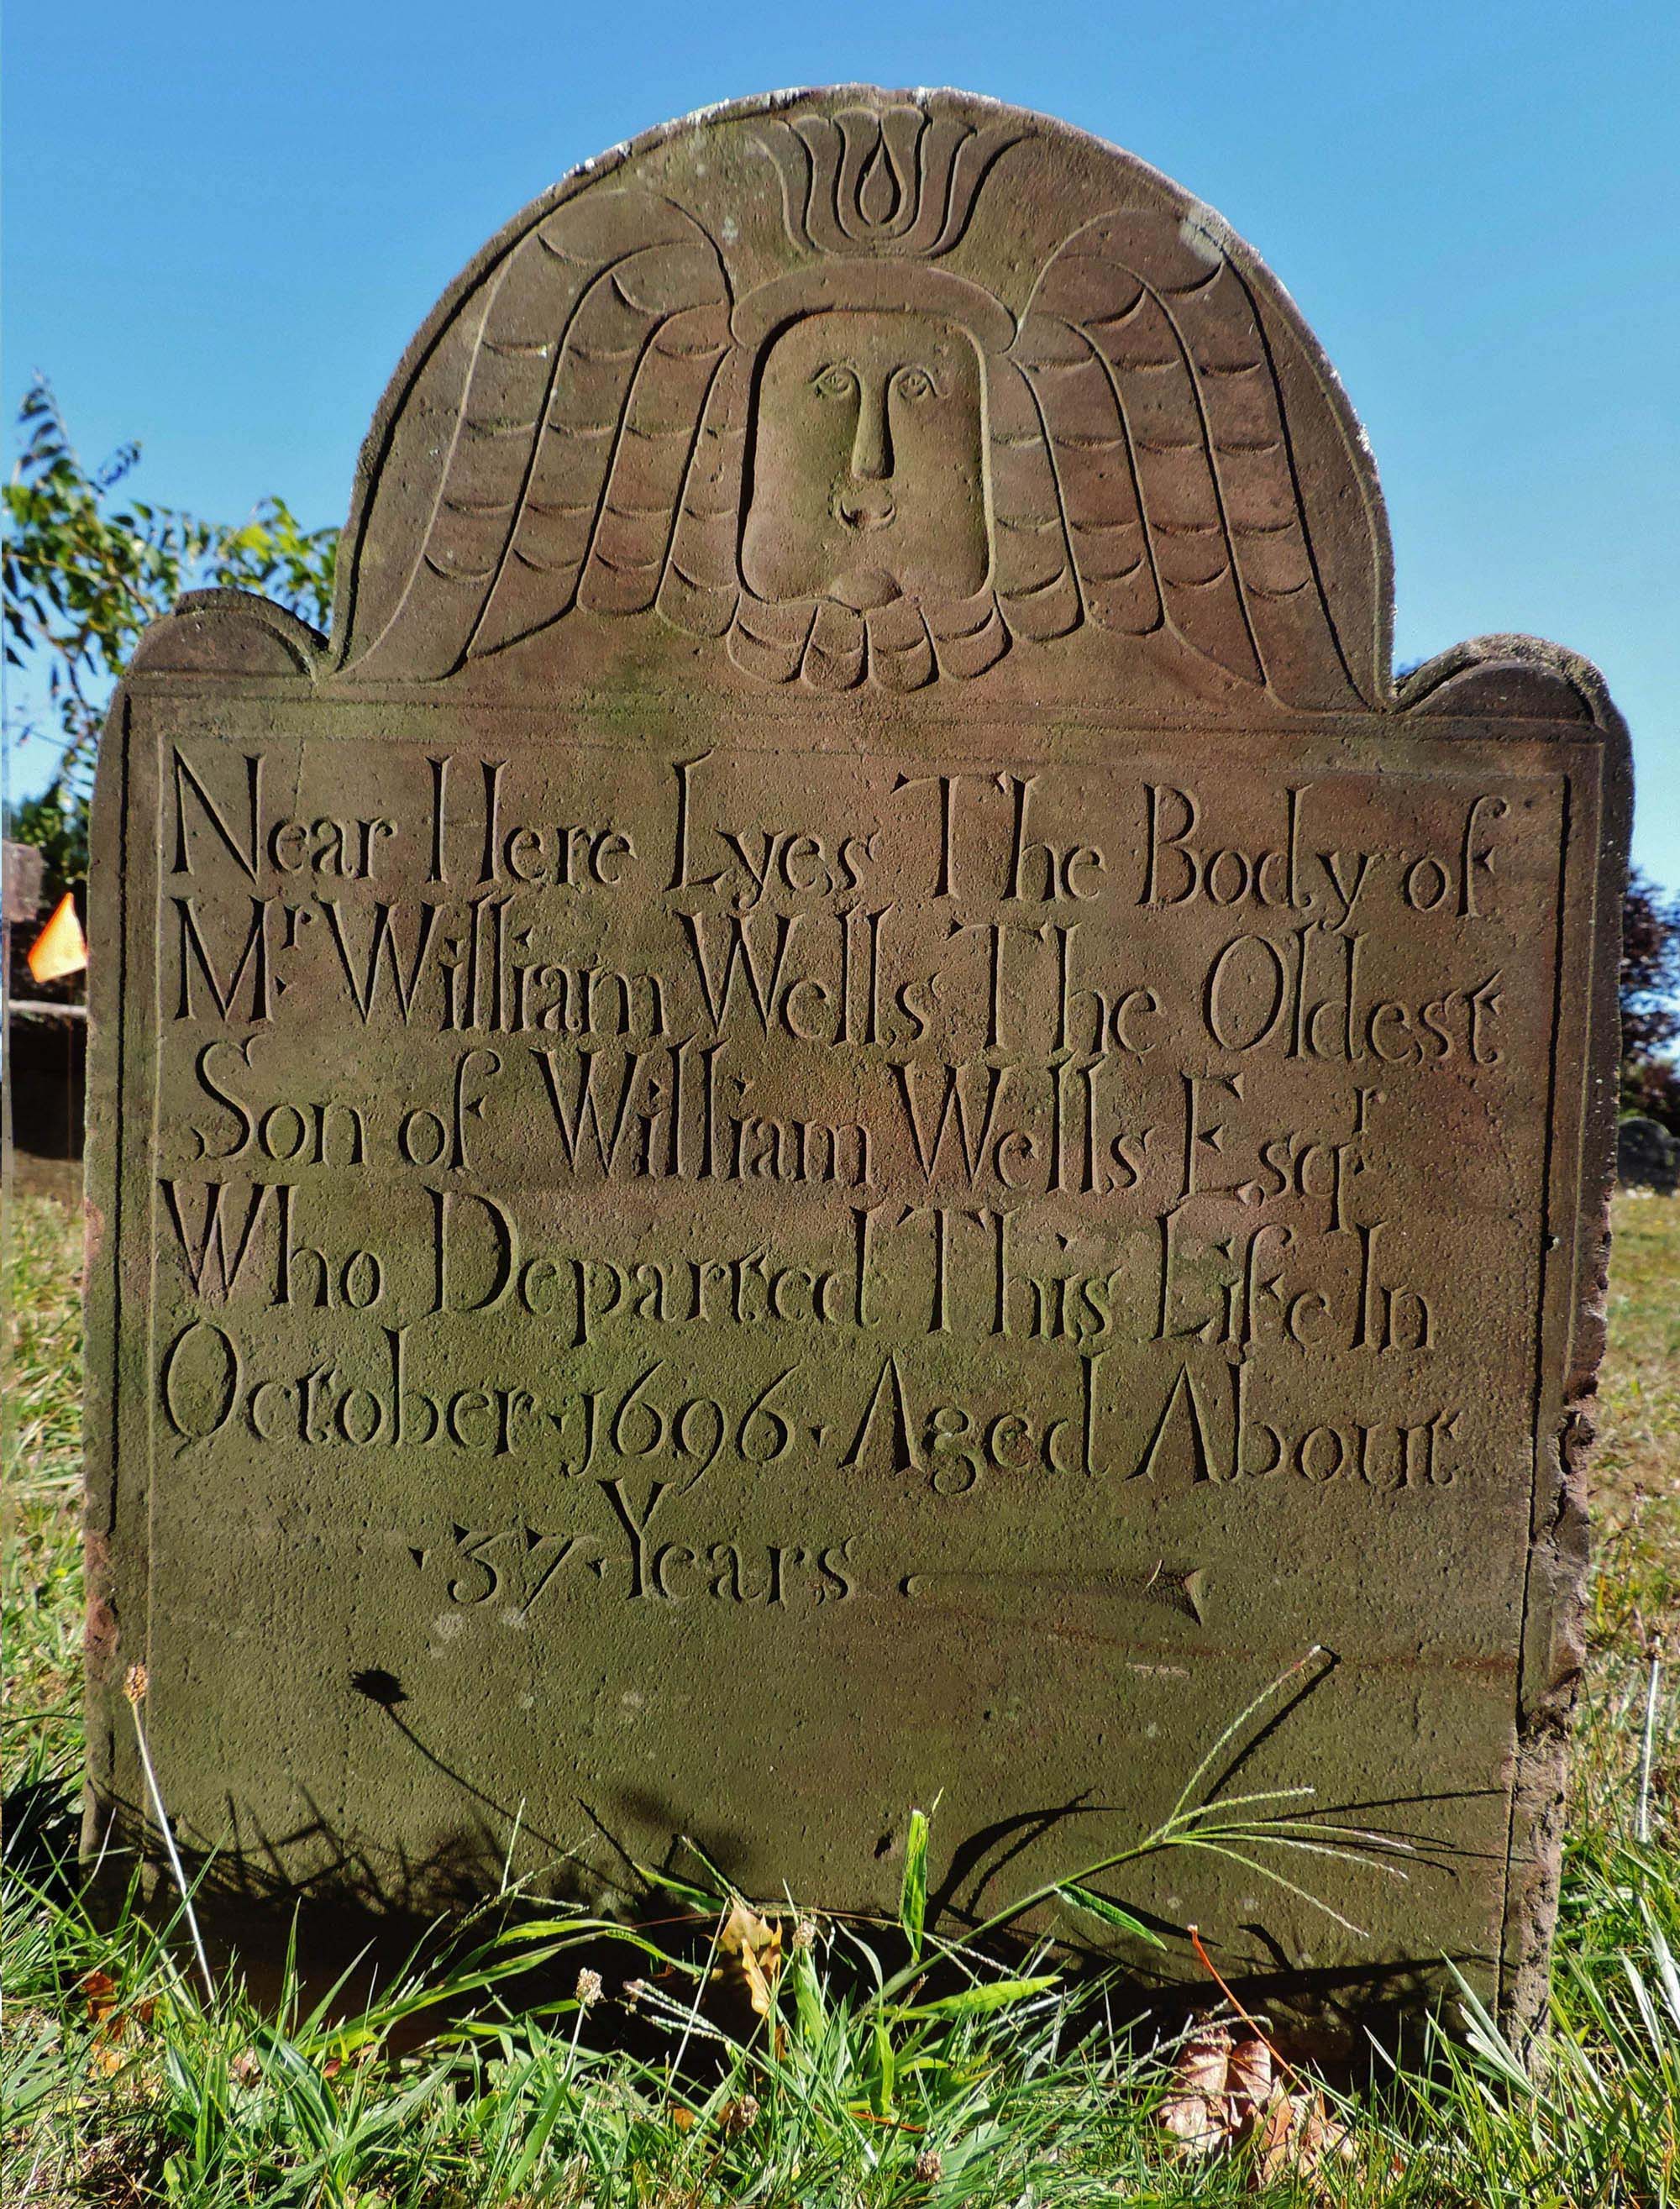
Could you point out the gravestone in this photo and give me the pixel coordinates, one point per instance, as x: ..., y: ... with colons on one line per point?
x: 24, y: 876
x: 1646, y: 1156
x: 845, y: 1105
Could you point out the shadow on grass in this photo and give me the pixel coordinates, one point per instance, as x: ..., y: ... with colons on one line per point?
x: 353, y: 1934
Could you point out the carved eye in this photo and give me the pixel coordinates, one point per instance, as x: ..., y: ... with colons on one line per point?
x: 837, y: 381
x: 914, y: 383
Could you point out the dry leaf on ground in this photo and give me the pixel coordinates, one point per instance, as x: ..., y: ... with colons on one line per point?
x: 100, y: 1993
x: 1226, y: 2091
x: 750, y: 1956
x: 1220, y: 2084
x: 1250, y: 2074
x: 1296, y: 2136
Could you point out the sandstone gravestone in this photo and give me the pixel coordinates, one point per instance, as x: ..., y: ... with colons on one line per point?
x: 844, y: 1104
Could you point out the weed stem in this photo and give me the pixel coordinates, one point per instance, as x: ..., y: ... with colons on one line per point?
x: 1647, y: 1744
x: 134, y: 1688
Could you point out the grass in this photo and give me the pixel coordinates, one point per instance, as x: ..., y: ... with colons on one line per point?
x: 784, y: 2061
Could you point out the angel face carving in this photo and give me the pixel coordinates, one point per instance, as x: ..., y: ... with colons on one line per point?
x: 862, y: 468
x: 867, y: 471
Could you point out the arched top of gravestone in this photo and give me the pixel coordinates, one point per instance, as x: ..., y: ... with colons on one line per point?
x: 869, y: 392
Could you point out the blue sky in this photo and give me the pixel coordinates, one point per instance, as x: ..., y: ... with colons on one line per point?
x: 221, y: 226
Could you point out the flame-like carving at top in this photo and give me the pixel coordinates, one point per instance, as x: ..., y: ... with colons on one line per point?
x: 892, y: 181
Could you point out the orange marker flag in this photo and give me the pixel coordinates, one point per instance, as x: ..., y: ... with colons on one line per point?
x: 61, y: 947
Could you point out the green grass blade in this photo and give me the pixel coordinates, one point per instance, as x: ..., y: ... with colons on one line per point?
x: 1099, y: 1905
x: 979, y: 2002
x: 913, y: 1892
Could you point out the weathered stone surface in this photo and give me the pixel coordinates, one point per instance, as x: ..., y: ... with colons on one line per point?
x: 1646, y: 1156
x: 25, y: 870
x: 844, y: 1104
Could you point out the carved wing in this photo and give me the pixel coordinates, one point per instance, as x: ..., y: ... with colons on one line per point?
x: 699, y: 591
x: 1143, y: 473
x: 602, y: 335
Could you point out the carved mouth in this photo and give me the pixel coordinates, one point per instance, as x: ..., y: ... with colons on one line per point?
x: 864, y: 507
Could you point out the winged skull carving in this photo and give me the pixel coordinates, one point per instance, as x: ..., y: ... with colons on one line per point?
x: 869, y: 471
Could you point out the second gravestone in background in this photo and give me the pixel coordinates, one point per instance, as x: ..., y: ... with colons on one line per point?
x: 843, y: 1105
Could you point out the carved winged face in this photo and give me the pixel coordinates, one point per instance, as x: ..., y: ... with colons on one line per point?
x: 862, y: 468
x: 866, y: 471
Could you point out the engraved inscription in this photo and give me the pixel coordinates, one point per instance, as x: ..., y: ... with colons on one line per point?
x: 1034, y: 1220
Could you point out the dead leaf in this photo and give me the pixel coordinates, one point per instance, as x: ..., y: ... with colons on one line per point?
x: 1220, y: 2086
x: 1228, y: 2091
x: 98, y: 1989
x: 750, y: 1956
x: 1271, y: 2139
x: 1196, y: 2113
x: 1250, y: 2076
x: 682, y: 2119
x: 1296, y: 2136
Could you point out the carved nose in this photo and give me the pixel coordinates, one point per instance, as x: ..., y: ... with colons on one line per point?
x: 872, y: 447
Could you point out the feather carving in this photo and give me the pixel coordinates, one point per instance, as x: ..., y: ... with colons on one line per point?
x: 603, y: 330
x: 1165, y: 424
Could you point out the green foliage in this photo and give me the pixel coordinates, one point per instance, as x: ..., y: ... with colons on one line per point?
x: 86, y: 567
x: 56, y: 823
x: 1650, y: 1000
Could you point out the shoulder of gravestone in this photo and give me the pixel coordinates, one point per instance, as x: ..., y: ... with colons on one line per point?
x: 226, y: 642
x: 228, y: 633
x: 1510, y: 681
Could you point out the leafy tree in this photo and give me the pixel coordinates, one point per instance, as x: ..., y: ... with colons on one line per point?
x: 84, y: 571
x: 1650, y: 992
